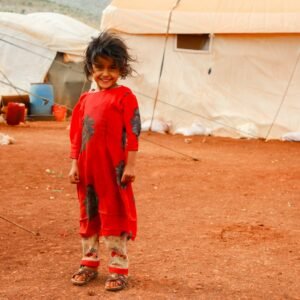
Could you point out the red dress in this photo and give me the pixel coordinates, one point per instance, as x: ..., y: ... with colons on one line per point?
x: 105, y: 126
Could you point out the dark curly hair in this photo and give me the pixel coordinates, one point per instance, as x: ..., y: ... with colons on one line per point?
x: 108, y: 44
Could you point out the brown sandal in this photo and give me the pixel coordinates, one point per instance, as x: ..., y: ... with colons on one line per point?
x: 120, y: 279
x: 87, y: 274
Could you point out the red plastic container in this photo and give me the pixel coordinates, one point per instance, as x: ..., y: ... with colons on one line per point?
x: 15, y: 113
x: 59, y: 112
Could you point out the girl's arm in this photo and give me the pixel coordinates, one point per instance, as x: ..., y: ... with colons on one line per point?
x: 76, y: 129
x: 75, y: 139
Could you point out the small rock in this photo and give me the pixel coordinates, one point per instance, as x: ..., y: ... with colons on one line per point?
x: 187, y: 141
x: 91, y: 293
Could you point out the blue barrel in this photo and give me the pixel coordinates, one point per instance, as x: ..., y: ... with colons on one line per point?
x: 41, y: 99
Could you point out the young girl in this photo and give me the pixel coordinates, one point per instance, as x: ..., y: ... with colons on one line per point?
x: 104, y: 140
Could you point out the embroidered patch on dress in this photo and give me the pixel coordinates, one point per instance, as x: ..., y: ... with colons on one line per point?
x: 136, y: 122
x: 87, y: 131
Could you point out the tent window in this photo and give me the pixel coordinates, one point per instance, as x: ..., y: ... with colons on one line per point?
x: 198, y: 42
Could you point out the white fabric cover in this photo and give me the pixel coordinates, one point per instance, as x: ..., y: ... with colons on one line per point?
x: 28, y: 46
x: 291, y: 137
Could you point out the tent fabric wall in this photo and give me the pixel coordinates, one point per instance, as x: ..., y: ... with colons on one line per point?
x: 22, y: 61
x: 244, y: 86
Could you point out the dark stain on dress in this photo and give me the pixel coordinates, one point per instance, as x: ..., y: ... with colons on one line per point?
x: 91, y: 202
x: 119, y: 173
x: 124, y: 138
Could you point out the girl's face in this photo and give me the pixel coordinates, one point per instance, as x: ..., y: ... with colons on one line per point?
x: 105, y: 73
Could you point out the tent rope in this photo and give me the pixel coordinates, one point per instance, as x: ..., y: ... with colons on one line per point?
x: 29, y: 93
x: 9, y: 81
x: 20, y: 226
x: 40, y: 55
x: 201, y: 116
x: 171, y: 150
x: 28, y: 42
x: 163, y: 60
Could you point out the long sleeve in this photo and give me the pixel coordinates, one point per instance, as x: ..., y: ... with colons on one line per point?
x: 132, y: 121
x: 76, y: 128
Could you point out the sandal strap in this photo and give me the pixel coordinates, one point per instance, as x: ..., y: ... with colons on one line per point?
x: 117, y: 277
x: 85, y: 271
x: 87, y: 276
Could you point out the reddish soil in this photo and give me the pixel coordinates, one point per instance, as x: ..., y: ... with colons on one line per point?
x: 224, y: 227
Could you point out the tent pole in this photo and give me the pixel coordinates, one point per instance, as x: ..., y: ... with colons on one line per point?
x: 162, y: 61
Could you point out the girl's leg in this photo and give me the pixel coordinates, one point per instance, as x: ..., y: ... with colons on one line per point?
x: 117, y: 246
x: 118, y: 263
x: 89, y: 224
x: 90, y: 248
x: 89, y: 263
x: 89, y: 228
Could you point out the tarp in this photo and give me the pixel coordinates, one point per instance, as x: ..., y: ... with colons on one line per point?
x: 29, y: 43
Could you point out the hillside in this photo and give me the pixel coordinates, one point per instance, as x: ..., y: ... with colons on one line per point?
x: 88, y: 12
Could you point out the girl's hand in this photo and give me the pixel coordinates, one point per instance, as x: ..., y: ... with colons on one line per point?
x: 74, y: 172
x: 128, y: 174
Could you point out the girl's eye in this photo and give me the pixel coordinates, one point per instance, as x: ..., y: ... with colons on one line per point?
x: 97, y: 67
x: 113, y: 67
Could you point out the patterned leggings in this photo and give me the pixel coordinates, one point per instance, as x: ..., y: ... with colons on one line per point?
x: 117, y: 246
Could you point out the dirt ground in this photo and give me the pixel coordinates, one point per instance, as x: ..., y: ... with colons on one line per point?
x: 225, y: 226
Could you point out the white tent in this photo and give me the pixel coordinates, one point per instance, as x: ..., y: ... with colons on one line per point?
x: 29, y: 44
x: 232, y: 66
